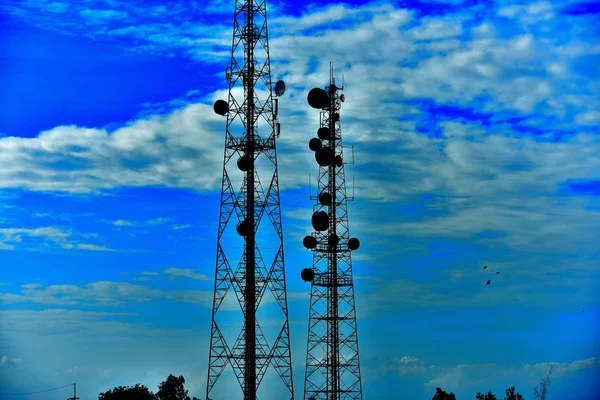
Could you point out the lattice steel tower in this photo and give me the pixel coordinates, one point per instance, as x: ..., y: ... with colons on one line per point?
x: 332, y: 363
x: 247, y: 152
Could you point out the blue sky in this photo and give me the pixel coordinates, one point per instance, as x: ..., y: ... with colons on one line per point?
x: 475, y: 125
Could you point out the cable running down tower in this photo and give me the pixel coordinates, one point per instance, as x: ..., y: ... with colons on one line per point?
x: 241, y: 265
x: 332, y: 362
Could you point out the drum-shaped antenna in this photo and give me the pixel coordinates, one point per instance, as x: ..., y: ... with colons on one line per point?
x: 279, y: 88
x: 310, y: 242
x: 338, y: 161
x: 342, y: 98
x: 243, y: 228
x: 315, y: 144
x: 353, y: 244
x: 324, y: 156
x: 318, y: 98
x: 320, y: 221
x: 221, y: 107
x: 324, y: 133
x: 244, y: 163
x: 325, y: 199
x: 307, y: 274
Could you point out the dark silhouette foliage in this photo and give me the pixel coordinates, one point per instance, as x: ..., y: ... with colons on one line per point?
x: 488, y: 396
x: 540, y: 391
x: 172, y: 389
x: 442, y: 395
x: 137, y: 392
x: 511, y: 394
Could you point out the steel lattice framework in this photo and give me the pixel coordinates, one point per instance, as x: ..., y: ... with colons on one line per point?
x: 332, y: 362
x: 250, y: 354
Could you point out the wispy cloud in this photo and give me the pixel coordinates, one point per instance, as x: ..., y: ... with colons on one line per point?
x: 484, y: 375
x: 45, y: 237
x: 121, y: 222
x: 5, y: 361
x: 185, y: 273
x: 93, y: 247
x: 182, y: 226
x: 47, y: 339
x: 149, y: 222
x: 116, y: 294
x: 101, y: 159
x: 101, y: 16
x: 491, y: 74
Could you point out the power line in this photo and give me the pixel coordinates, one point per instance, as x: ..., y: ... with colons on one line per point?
x: 41, y: 391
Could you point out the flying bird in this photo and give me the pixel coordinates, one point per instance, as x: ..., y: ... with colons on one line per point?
x: 497, y: 272
x: 488, y: 282
x: 485, y: 267
x: 582, y: 311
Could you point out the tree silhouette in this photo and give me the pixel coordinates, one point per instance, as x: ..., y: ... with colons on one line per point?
x: 172, y: 389
x: 511, y: 394
x: 137, y: 392
x: 488, y: 396
x: 540, y: 391
x: 441, y: 395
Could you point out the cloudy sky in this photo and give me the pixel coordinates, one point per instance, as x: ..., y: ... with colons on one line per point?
x: 475, y: 126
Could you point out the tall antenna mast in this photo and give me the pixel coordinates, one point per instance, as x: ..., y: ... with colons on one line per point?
x: 332, y: 363
x: 250, y: 272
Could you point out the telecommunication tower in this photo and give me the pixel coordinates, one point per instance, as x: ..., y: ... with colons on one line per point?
x: 249, y: 259
x: 332, y: 363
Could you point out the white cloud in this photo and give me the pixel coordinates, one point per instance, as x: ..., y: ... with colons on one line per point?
x: 518, y: 285
x: 49, y: 236
x: 159, y: 221
x: 80, y: 160
x: 83, y: 344
x: 467, y: 376
x: 100, y: 16
x: 4, y: 246
x: 121, y: 222
x: 5, y: 361
x: 31, y: 286
x: 186, y: 273
x: 437, y: 28
x: 588, y: 118
x: 489, y: 177
x: 149, y: 222
x: 115, y: 294
x: 563, y: 368
x: 93, y: 247
x: 179, y: 227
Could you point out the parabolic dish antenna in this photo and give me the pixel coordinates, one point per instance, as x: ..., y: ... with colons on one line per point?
x: 279, y: 88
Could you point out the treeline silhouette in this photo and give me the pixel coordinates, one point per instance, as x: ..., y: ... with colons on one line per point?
x: 539, y: 392
x: 173, y: 388
x: 170, y: 389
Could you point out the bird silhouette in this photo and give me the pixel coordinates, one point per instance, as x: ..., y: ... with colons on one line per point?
x: 485, y: 267
x: 582, y: 311
x: 497, y: 272
x: 488, y: 282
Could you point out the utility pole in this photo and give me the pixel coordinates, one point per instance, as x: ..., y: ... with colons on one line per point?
x: 74, y: 393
